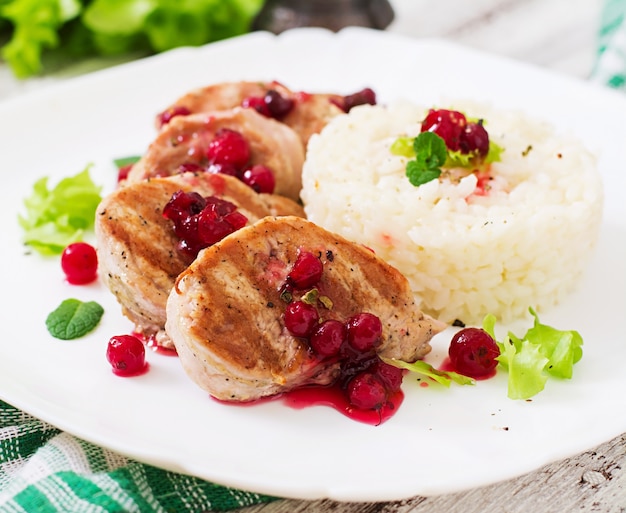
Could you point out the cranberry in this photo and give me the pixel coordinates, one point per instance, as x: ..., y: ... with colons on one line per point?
x: 328, y: 337
x: 474, y: 139
x: 473, y: 352
x: 447, y: 124
x: 364, y: 331
x: 126, y: 354
x: 183, y: 205
x: 190, y: 167
x: 365, y: 96
x: 257, y: 103
x: 306, y: 271
x: 278, y: 105
x: 166, y: 116
x: 201, y: 222
x: 79, y: 262
x: 365, y: 391
x: 260, y: 178
x: 122, y: 172
x: 272, y: 105
x: 217, y: 220
x: 224, y: 168
x: 301, y: 318
x: 389, y: 375
x: 228, y: 146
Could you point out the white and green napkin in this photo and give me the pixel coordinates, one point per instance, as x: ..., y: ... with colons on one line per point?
x: 610, y: 65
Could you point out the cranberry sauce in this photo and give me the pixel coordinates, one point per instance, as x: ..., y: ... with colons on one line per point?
x: 200, y: 222
x: 365, y: 383
x: 335, y: 397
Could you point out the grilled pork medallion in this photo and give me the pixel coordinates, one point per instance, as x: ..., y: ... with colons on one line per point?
x: 233, y: 312
x: 141, y: 254
x: 306, y: 113
x: 229, y: 142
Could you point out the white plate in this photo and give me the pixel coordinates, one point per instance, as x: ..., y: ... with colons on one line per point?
x: 441, y: 440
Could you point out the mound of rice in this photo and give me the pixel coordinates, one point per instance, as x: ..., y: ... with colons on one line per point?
x: 524, y: 244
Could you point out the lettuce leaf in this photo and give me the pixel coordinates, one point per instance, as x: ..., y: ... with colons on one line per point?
x: 444, y: 378
x: 36, y: 26
x: 113, y: 27
x: 543, y: 352
x: 56, y: 217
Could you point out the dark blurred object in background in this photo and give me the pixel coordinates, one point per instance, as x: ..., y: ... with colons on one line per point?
x: 279, y: 15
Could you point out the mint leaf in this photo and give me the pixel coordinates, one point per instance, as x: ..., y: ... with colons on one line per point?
x: 430, y: 154
x: 418, y: 175
x: 426, y: 369
x: 125, y: 161
x: 430, y: 149
x: 73, y: 319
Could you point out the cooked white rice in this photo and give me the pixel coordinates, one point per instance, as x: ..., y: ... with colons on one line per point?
x: 525, y: 244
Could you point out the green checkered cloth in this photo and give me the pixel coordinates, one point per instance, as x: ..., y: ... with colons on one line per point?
x: 610, y: 65
x: 45, y: 470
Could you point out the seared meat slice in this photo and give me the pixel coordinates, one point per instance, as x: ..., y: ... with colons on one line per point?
x: 137, y: 248
x: 183, y: 142
x: 225, y: 314
x: 310, y: 112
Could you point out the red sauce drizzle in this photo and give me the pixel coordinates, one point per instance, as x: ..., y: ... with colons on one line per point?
x: 333, y: 397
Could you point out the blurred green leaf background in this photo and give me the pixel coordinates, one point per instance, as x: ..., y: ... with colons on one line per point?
x: 31, y: 30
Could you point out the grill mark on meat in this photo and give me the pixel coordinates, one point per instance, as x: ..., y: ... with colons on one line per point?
x: 237, y: 348
x: 137, y: 246
x: 185, y: 139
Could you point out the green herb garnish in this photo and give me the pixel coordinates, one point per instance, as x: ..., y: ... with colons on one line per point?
x: 125, y: 161
x: 445, y: 378
x: 430, y: 154
x: 73, y: 319
x: 541, y: 353
x: 59, y: 216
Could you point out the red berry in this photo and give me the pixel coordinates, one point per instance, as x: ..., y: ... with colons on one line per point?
x: 166, y: 116
x: 79, y: 262
x: 190, y: 167
x: 447, y: 124
x: 301, y: 318
x: 260, y: 178
x: 328, y: 338
x: 364, y: 331
x: 201, y: 222
x: 224, y: 169
x: 473, y: 352
x: 272, y: 105
x: 365, y: 391
x: 122, y: 172
x: 306, y: 271
x: 362, y: 97
x: 277, y: 104
x: 257, y: 103
x: 127, y: 355
x: 229, y: 147
x: 474, y: 139
x: 389, y: 375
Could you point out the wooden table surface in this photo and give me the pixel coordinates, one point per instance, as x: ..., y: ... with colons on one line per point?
x: 555, y: 34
